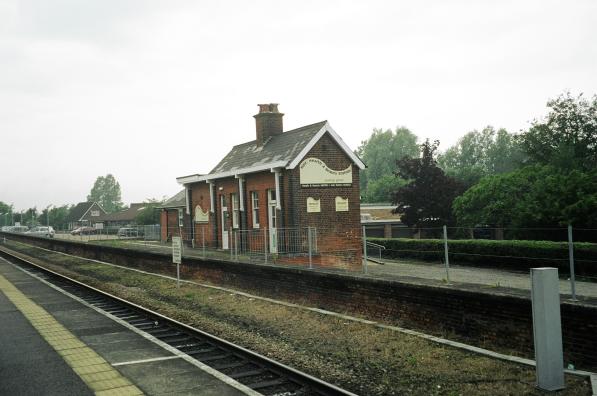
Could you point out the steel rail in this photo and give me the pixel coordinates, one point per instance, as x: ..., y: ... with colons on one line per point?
x: 273, y: 377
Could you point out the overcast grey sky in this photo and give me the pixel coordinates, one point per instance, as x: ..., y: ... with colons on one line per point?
x: 152, y: 90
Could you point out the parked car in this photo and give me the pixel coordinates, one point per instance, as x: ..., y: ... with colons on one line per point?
x: 129, y: 232
x: 42, y: 231
x: 83, y: 231
x: 19, y: 229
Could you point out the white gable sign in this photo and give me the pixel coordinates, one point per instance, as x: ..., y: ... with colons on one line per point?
x: 315, y: 173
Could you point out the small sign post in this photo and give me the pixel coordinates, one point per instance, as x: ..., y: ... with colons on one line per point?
x: 177, y: 256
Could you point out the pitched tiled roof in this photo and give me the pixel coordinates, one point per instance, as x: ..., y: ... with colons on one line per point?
x: 128, y: 214
x: 78, y: 211
x: 283, y: 147
x: 176, y: 201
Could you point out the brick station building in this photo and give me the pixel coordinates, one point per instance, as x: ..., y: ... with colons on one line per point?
x: 306, y: 177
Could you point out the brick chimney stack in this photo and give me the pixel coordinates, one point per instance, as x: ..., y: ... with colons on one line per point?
x: 268, y: 122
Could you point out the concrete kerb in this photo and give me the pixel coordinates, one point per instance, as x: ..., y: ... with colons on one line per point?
x: 439, y: 340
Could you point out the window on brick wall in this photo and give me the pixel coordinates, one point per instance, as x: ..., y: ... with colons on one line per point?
x: 255, y: 208
x: 235, y: 210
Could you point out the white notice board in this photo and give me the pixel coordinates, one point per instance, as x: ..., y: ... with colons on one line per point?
x: 176, y: 250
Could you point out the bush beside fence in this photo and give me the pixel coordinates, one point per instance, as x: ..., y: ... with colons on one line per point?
x: 509, y: 254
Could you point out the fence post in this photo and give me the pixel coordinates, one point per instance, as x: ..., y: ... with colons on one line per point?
x: 571, y: 258
x: 365, y: 263
x: 310, y: 239
x: 203, y: 239
x: 447, y: 259
x: 265, y: 244
x: 547, y: 328
x: 236, y: 244
x: 229, y: 245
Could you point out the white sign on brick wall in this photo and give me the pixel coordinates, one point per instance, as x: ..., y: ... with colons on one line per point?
x: 200, y: 215
x: 341, y: 204
x: 315, y: 173
x: 313, y: 205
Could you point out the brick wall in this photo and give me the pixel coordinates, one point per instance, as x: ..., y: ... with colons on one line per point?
x: 339, y: 232
x: 169, y: 217
x: 203, y: 232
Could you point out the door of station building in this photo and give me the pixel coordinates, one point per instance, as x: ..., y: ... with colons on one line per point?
x: 224, y: 221
x: 272, y: 221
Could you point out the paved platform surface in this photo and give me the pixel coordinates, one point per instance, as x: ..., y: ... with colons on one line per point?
x: 51, y: 344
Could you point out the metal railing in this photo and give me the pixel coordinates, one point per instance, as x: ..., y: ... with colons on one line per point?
x: 374, y: 246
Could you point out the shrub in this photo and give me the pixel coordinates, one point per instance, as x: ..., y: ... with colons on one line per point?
x: 509, y: 254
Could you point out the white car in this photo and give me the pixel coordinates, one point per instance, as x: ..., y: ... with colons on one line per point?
x: 42, y: 231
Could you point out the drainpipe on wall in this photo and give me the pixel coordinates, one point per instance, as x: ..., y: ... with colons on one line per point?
x: 212, y: 217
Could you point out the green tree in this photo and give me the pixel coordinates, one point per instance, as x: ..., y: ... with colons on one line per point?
x: 533, y: 196
x: 481, y: 153
x: 56, y: 216
x: 106, y: 192
x: 567, y: 137
x: 30, y: 217
x: 380, y: 153
x: 6, y: 211
x: 426, y: 200
x: 382, y: 189
x: 149, y: 214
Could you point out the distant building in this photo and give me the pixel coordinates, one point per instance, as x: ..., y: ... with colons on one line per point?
x: 380, y: 221
x: 84, y: 214
x: 122, y: 218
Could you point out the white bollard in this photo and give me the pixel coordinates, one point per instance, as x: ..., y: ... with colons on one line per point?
x: 547, y: 328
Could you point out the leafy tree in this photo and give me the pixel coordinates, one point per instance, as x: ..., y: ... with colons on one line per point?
x: 481, y: 153
x: 106, y: 191
x: 380, y: 153
x: 5, y: 213
x: 56, y: 216
x: 426, y: 200
x: 29, y: 217
x: 533, y: 196
x: 382, y: 189
x: 149, y: 214
x: 567, y: 137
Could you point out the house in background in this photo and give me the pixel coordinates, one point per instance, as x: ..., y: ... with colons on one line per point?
x: 380, y: 222
x: 122, y: 218
x: 84, y: 214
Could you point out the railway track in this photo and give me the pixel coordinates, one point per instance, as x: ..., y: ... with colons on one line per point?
x: 255, y: 371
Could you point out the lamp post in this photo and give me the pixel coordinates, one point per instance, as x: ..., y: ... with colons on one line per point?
x: 48, y: 215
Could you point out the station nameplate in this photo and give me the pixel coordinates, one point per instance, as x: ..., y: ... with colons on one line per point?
x: 341, y: 204
x: 315, y: 173
x: 313, y: 205
x: 200, y: 215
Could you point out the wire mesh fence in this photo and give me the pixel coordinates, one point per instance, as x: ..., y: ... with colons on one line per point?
x: 303, y: 247
x: 450, y: 255
x: 446, y: 254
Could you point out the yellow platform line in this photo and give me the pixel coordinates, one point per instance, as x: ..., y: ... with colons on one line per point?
x: 98, y: 374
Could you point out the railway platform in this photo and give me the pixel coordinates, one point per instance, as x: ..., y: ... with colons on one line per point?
x: 52, y: 344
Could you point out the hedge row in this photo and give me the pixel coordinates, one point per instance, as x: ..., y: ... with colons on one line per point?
x: 510, y: 254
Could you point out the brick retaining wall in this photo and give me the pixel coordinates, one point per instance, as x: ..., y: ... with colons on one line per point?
x: 477, y: 317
